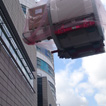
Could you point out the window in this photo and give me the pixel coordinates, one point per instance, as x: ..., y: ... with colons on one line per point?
x: 45, y: 52
x: 23, y: 8
x: 48, y: 54
x: 38, y: 48
x: 15, y: 53
x: 40, y: 92
x: 45, y: 67
x: 50, y: 70
x: 52, y: 87
x: 38, y: 63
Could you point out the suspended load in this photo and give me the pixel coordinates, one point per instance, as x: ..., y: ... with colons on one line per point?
x: 37, y: 26
x: 79, y: 27
x: 76, y: 26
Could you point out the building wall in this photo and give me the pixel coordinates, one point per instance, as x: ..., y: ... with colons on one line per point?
x: 41, y: 53
x: 14, y: 91
x: 45, y: 58
x: 15, y: 11
x: 45, y: 91
x: 46, y: 96
x: 43, y: 73
x: 51, y: 99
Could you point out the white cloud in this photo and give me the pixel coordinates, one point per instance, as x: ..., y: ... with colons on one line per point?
x: 101, y: 99
x: 104, y: 2
x: 66, y: 81
x: 75, y: 78
x: 87, y: 81
x: 95, y: 67
x: 85, y: 89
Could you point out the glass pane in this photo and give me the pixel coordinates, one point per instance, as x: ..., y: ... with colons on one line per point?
x: 13, y: 43
x: 19, y: 53
x: 6, y: 40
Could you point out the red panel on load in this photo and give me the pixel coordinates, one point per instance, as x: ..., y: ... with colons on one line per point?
x: 84, y: 25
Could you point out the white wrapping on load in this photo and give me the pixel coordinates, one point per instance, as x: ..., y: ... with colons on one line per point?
x: 67, y: 9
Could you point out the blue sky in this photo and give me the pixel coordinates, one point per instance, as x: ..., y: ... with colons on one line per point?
x: 81, y: 82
